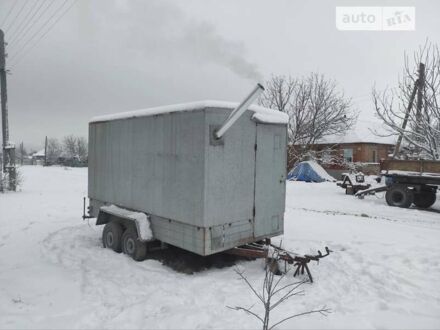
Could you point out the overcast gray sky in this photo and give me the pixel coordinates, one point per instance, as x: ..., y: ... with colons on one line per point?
x: 108, y: 56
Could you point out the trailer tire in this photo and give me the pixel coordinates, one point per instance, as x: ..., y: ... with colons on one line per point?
x: 132, y: 246
x: 424, y: 199
x: 400, y: 196
x: 112, y: 236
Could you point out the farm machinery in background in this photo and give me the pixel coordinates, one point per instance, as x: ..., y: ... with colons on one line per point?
x: 352, y: 183
x: 407, y: 182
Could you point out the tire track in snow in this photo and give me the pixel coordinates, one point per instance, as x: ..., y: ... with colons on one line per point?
x: 113, y: 285
x: 432, y: 224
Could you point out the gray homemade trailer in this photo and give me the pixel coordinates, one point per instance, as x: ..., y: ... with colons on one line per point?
x: 201, y: 193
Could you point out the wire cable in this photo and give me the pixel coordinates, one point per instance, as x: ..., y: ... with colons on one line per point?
x: 14, y: 3
x: 39, y: 29
x: 16, y: 16
x: 35, y: 21
x: 45, y: 33
x: 24, y: 22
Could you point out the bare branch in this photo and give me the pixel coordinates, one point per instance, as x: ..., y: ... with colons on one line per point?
x: 315, y: 107
x: 249, y: 285
x: 324, y: 311
x: 270, y: 293
x: 247, y: 310
x: 422, y: 134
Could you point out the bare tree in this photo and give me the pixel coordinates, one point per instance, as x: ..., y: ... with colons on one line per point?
x: 54, y: 150
x: 70, y: 146
x: 75, y: 147
x: 422, y: 133
x: 82, y: 148
x: 315, y: 106
x: 273, y: 294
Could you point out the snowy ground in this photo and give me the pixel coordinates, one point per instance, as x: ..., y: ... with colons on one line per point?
x: 54, y: 273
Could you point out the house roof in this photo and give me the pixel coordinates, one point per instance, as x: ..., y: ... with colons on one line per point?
x: 363, y: 132
x: 39, y: 153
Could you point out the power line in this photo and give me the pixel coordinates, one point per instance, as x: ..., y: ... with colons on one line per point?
x: 40, y: 29
x: 35, y: 21
x: 46, y: 32
x: 14, y: 3
x: 16, y: 16
x: 25, y: 21
x: 28, y: 29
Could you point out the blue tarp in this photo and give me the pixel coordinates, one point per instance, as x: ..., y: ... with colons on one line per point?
x: 305, y: 172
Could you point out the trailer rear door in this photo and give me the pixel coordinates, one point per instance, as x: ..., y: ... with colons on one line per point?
x: 270, y: 179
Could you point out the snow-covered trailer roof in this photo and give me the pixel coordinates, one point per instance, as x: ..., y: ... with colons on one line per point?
x: 261, y: 114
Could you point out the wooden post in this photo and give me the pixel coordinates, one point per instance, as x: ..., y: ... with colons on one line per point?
x: 21, y: 153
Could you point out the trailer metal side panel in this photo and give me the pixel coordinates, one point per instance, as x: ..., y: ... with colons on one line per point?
x: 229, y: 171
x: 185, y: 236
x: 230, y: 235
x: 151, y: 164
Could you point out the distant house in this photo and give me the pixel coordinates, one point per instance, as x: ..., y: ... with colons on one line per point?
x: 359, y: 147
x: 38, y: 157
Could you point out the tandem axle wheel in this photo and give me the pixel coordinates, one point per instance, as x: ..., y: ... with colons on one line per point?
x: 126, y: 240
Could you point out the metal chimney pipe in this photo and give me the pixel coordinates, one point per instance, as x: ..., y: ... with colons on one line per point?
x: 238, y: 111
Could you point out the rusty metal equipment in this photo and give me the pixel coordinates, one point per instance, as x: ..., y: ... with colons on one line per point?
x: 301, y: 262
x: 261, y: 250
x: 253, y: 250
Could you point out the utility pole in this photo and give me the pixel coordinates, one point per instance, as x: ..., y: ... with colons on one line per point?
x: 45, y: 151
x: 8, y: 148
x: 420, y: 101
x: 405, y: 121
x: 419, y: 90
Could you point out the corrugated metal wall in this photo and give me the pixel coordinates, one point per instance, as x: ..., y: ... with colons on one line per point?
x: 152, y: 164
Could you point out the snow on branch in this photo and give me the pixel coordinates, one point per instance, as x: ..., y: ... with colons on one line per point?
x: 421, y: 135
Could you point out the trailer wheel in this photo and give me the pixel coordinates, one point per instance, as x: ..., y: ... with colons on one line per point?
x: 424, y: 199
x: 111, y: 236
x: 399, y: 196
x: 132, y: 246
